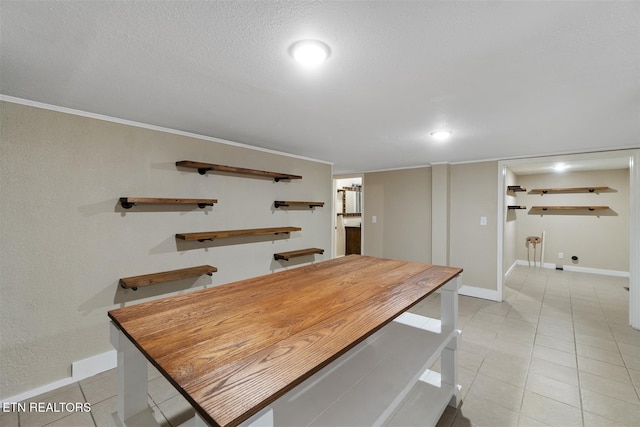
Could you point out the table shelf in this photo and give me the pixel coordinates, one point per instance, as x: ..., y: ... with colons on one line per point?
x: 222, y: 234
x: 135, y: 282
x: 395, y: 359
x: 129, y: 202
x: 203, y: 168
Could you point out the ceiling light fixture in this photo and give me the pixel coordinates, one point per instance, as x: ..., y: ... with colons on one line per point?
x: 441, y: 135
x: 560, y: 167
x: 310, y: 53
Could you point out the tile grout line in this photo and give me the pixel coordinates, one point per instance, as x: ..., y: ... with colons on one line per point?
x: 575, y: 349
x: 615, y: 340
x: 535, y: 335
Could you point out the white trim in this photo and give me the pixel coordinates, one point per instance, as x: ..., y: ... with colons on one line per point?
x: 508, y: 160
x: 510, y: 270
x: 395, y: 169
x: 80, y: 369
x: 502, y: 172
x: 94, y: 365
x: 96, y: 116
x: 38, y: 391
x: 472, y: 291
x: 596, y: 271
x: 600, y: 271
x: 534, y: 264
x: 527, y: 157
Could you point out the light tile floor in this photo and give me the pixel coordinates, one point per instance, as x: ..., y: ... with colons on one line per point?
x: 557, y: 351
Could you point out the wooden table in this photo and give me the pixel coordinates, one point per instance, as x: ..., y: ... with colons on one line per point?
x: 233, y: 350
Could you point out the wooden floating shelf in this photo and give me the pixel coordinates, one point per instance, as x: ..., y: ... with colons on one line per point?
x: 568, y: 190
x: 204, y: 167
x: 512, y: 207
x: 301, y: 252
x: 515, y: 188
x: 151, y: 279
x: 286, y: 203
x: 569, y: 208
x: 129, y: 202
x: 211, y: 235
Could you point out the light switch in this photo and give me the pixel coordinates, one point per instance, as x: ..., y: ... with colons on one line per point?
x: 374, y: 219
x: 483, y: 220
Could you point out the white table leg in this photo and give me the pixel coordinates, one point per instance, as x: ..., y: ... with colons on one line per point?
x: 449, y: 304
x: 132, y: 377
x: 449, y: 318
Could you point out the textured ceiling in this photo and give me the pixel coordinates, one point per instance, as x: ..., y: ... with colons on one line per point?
x: 511, y: 79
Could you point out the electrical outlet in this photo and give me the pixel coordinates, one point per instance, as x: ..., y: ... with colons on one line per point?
x: 560, y: 255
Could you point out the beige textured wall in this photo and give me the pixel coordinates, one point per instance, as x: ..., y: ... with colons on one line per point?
x: 66, y: 241
x: 401, y: 202
x: 599, y: 242
x: 473, y: 246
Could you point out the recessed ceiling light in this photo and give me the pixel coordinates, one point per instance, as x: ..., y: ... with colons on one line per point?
x: 310, y: 53
x: 441, y: 135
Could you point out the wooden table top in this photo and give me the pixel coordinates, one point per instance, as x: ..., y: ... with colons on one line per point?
x: 233, y: 349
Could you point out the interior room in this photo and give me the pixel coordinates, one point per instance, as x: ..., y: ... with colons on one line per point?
x: 429, y: 216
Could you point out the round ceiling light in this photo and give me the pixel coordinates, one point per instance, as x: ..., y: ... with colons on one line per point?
x: 441, y: 135
x: 309, y: 53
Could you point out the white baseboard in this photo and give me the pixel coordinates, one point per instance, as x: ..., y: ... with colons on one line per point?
x: 37, y: 391
x: 535, y: 264
x: 596, y: 271
x: 510, y: 270
x: 80, y: 370
x: 587, y: 270
x: 472, y: 291
x: 91, y: 366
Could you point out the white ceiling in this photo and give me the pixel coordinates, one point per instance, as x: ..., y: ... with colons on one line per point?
x: 511, y: 79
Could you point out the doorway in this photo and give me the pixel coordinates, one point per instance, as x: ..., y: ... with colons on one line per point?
x: 348, y: 213
x: 627, y: 158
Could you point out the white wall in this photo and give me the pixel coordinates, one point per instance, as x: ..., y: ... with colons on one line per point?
x: 66, y: 241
